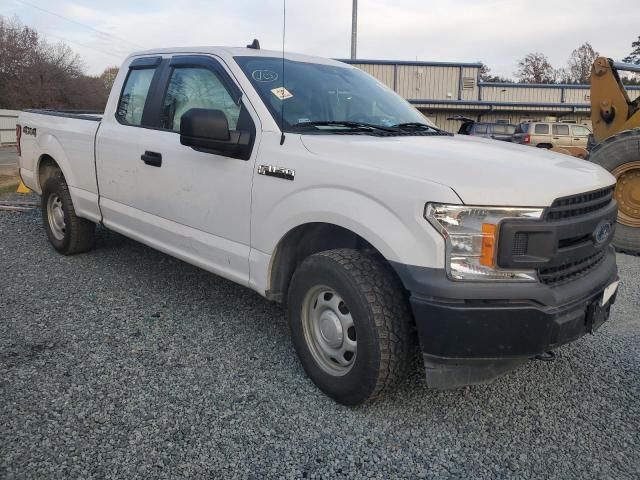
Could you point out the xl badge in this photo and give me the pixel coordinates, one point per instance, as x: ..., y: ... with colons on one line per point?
x: 602, y: 232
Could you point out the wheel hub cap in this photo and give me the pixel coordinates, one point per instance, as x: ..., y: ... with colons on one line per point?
x: 329, y: 330
x: 55, y: 215
x: 627, y: 193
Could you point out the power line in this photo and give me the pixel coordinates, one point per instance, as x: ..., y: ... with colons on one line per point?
x: 78, y: 23
x: 119, y: 57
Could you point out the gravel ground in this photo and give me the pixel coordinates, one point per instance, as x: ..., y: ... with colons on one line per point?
x: 126, y: 363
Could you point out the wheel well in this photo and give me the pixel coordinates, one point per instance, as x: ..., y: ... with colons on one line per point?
x: 544, y: 145
x: 303, y: 241
x: 47, y: 168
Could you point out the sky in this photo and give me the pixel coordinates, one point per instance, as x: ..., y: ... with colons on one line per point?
x: 496, y: 32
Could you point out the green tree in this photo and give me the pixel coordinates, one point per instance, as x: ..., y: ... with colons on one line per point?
x: 634, y: 56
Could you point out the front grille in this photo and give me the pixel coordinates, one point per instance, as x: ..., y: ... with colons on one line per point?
x: 570, y: 271
x: 520, y: 244
x: 576, y: 205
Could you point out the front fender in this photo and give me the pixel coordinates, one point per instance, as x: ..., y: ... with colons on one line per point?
x: 407, y: 238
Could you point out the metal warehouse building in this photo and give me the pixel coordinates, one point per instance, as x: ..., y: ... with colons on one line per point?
x: 441, y: 89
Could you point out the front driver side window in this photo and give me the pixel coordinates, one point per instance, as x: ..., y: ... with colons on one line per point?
x: 196, y: 88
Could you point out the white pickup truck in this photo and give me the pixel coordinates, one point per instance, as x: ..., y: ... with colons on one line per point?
x: 320, y: 188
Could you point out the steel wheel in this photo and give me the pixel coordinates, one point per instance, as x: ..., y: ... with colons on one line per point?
x: 627, y: 193
x: 55, y: 215
x: 329, y: 330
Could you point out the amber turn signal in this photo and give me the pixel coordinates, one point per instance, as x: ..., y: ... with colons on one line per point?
x: 489, y: 238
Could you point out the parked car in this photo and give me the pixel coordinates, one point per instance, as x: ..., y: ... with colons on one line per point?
x: 551, y: 134
x: 334, y: 196
x: 497, y: 131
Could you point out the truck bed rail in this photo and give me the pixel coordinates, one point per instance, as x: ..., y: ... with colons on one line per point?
x: 92, y: 115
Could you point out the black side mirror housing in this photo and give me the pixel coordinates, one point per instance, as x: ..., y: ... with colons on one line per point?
x: 207, y: 130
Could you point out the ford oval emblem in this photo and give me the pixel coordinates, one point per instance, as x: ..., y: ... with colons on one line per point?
x: 602, y: 232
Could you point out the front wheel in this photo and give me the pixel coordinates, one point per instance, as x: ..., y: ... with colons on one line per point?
x: 350, y: 324
x: 620, y: 154
x: 67, y: 232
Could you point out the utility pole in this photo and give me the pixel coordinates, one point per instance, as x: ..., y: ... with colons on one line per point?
x: 354, y: 29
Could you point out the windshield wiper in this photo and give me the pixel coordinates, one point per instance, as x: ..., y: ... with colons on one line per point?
x: 415, y: 125
x: 348, y: 124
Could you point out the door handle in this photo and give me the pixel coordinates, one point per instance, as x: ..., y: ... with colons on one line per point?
x: 152, y: 158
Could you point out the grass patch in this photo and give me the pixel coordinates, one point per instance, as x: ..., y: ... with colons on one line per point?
x: 7, y: 188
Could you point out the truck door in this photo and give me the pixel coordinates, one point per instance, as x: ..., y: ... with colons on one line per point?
x: 579, y: 136
x: 560, y: 135
x: 192, y: 204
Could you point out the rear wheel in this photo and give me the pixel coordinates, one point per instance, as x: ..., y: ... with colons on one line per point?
x: 67, y: 232
x: 350, y: 324
x: 620, y: 155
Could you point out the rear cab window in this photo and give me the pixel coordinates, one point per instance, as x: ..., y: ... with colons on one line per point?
x: 522, y: 128
x: 135, y: 91
x: 134, y: 96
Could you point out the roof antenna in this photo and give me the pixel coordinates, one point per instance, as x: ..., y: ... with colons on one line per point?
x: 255, y: 44
x: 282, y: 99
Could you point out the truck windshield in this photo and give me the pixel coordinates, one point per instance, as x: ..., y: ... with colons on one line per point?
x: 328, y: 98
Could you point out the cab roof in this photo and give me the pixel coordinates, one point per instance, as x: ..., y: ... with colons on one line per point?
x: 240, y: 52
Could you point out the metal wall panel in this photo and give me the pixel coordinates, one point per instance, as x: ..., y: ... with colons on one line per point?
x: 8, y: 119
x: 437, y: 83
x: 7, y: 137
x: 577, y: 95
x: 383, y: 73
x: 470, y: 72
x: 440, y: 117
x: 633, y: 94
x: 521, y: 94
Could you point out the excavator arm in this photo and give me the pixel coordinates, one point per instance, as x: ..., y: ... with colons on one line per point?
x: 612, y: 111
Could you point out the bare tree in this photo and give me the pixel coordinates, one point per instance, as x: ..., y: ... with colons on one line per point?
x: 486, y: 76
x: 535, y: 68
x: 35, y: 73
x: 109, y: 76
x: 580, y: 62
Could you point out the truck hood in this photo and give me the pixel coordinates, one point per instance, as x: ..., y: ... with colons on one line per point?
x: 480, y: 171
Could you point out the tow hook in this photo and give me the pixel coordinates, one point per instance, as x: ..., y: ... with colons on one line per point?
x: 549, y: 356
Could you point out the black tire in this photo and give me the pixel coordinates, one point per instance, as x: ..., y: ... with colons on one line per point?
x: 610, y: 154
x: 544, y: 145
x: 78, y: 234
x: 381, y: 317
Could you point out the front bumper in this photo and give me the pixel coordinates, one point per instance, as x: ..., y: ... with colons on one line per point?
x: 473, y: 333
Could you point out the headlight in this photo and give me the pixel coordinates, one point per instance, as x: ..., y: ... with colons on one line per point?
x: 471, y: 237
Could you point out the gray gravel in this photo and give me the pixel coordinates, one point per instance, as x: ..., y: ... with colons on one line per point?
x: 126, y: 363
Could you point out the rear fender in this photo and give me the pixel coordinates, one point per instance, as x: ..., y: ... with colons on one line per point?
x: 48, y: 145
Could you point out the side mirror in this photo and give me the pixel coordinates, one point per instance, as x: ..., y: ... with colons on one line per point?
x: 207, y: 130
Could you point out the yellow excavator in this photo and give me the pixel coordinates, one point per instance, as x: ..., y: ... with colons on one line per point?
x: 616, y: 134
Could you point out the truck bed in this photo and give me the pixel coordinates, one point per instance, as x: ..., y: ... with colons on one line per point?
x: 68, y: 136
